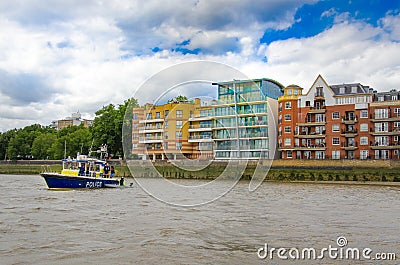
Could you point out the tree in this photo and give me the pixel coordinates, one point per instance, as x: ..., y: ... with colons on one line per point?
x: 19, y: 146
x: 108, y: 123
x: 41, y: 146
x: 179, y: 98
x: 4, y: 141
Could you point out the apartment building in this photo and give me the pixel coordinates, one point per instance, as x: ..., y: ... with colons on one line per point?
x: 74, y: 120
x: 240, y: 124
x: 161, y: 132
x: 385, y: 125
x: 244, y: 117
x: 345, y: 121
x: 200, y: 131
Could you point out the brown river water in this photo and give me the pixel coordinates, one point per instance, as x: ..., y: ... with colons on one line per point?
x: 127, y: 226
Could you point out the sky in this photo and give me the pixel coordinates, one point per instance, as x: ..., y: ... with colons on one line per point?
x: 59, y: 57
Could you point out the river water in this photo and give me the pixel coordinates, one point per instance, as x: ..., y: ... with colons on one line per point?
x: 127, y: 226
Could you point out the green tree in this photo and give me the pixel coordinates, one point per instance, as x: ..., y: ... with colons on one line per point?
x: 41, y: 146
x: 19, y: 146
x: 4, y: 141
x: 71, y: 140
x: 108, y: 123
x: 179, y: 98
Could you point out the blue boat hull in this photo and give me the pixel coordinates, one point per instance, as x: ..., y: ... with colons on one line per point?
x: 59, y: 181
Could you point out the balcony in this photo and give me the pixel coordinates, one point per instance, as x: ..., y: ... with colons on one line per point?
x: 199, y: 117
x: 317, y: 109
x: 389, y: 117
x: 385, y: 146
x: 395, y: 131
x: 304, y: 135
x: 310, y: 147
x: 152, y: 120
x: 349, y: 119
x: 151, y: 129
x: 349, y: 133
x: 150, y: 140
x: 312, y: 122
x: 200, y: 138
x: 319, y: 94
x: 349, y: 146
x: 200, y: 128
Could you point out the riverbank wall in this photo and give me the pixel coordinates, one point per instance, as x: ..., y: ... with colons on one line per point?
x: 277, y: 170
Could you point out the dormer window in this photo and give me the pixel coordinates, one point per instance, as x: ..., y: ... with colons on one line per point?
x: 289, y: 92
x: 341, y: 90
x: 353, y: 89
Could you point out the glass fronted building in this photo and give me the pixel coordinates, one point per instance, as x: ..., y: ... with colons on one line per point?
x: 244, y: 119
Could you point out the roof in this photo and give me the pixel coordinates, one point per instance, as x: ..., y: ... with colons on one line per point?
x: 249, y: 81
x: 350, y: 89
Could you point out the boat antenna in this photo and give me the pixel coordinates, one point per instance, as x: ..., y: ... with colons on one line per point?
x: 90, y: 149
x: 65, y: 148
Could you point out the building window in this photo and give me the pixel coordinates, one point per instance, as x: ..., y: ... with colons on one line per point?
x: 394, y: 97
x: 178, y: 135
x: 149, y: 116
x: 335, y: 115
x: 288, y: 117
x: 381, y: 98
x: 280, y: 107
x: 381, y: 113
x: 166, y: 135
x: 335, y: 141
x: 178, y: 124
x: 364, y: 140
x: 288, y: 129
x: 296, y: 92
x: 396, y: 138
x: 381, y: 127
x: 289, y: 92
x: 179, y: 114
x: 135, y: 116
x: 364, y: 113
x: 397, y: 111
x: 308, y: 104
x: 288, y: 141
x: 335, y: 154
x: 353, y: 89
x: 288, y: 105
x: 335, y: 128
x: 165, y: 146
x: 289, y: 154
x: 396, y: 124
x: 135, y: 126
x: 166, y: 113
x: 134, y: 146
x: 178, y: 146
x: 158, y: 115
x: 341, y: 90
x: 364, y: 154
x: 166, y: 124
x: 364, y: 127
x: 135, y: 136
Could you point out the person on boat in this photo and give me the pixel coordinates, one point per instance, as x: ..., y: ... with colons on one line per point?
x: 82, y: 170
x: 106, y: 170
x: 112, y: 172
x: 122, y: 181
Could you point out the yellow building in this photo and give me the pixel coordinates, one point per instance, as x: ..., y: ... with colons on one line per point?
x: 163, y: 131
x: 200, y: 131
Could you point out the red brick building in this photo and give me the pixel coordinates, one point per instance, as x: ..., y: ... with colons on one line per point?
x: 346, y: 121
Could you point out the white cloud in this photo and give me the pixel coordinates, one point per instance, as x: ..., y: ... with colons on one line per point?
x: 81, y: 56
